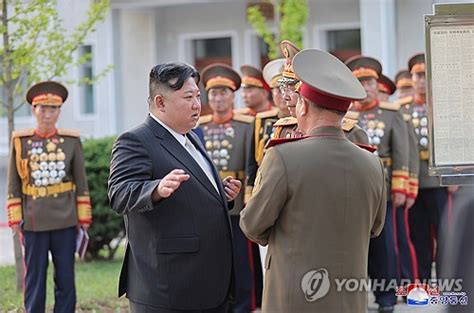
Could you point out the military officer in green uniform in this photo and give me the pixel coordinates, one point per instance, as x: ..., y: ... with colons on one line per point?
x: 48, y: 198
x: 228, y: 138
x: 387, y: 131
x: 404, y: 83
x: 427, y: 212
x: 317, y: 228
x: 406, y: 253
x: 255, y: 91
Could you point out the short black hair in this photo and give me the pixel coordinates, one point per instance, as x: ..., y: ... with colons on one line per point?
x: 162, y: 74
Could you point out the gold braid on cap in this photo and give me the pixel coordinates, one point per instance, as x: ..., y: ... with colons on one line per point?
x: 404, y: 82
x: 276, y: 81
x: 362, y: 72
x: 252, y: 81
x: 418, y: 68
x: 47, y: 99
x: 220, y: 81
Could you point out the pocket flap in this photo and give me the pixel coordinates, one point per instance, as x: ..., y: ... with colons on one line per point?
x: 178, y: 245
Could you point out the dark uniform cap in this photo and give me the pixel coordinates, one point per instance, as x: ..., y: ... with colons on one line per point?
x: 364, y: 67
x: 416, y: 64
x: 386, y: 85
x: 48, y: 93
x: 332, y: 86
x: 220, y: 75
x: 272, y: 72
x: 403, y: 79
x: 253, y: 77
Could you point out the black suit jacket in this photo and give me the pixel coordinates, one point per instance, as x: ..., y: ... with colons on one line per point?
x: 179, y: 252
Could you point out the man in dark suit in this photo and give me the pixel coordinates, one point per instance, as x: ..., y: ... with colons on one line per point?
x: 179, y: 252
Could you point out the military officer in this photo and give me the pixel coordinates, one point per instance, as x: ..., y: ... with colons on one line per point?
x: 406, y: 256
x: 404, y: 84
x: 48, y: 198
x: 255, y: 91
x: 228, y: 138
x: 314, y: 226
x: 432, y: 199
x: 386, y: 88
x: 387, y: 131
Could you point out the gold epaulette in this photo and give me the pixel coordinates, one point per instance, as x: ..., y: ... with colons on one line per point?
x: 353, y: 115
x: 243, y: 118
x: 267, y: 114
x: 68, y: 132
x: 285, y: 121
x: 406, y: 117
x: 348, y: 124
x: 389, y: 106
x: 23, y: 133
x: 204, y: 119
x: 404, y: 100
x: 245, y: 111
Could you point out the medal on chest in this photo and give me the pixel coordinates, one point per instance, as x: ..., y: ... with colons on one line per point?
x: 218, y: 139
x: 46, y: 161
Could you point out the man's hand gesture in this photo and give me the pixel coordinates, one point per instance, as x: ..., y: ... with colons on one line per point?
x: 170, y: 183
x: 232, y: 187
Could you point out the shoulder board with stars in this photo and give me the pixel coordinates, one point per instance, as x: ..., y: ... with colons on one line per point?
x: 267, y: 114
x: 348, y: 124
x: 286, y: 121
x: 389, y: 106
x: 68, y: 132
x: 205, y: 119
x: 23, y: 133
x: 243, y: 118
x: 353, y: 115
x: 404, y: 101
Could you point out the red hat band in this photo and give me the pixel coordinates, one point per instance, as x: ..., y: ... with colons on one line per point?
x: 323, y: 100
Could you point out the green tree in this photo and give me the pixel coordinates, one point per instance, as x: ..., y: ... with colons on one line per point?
x: 290, y: 17
x: 37, y: 47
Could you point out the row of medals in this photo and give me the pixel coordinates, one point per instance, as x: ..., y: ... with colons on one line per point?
x: 218, y: 145
x: 420, y: 123
x: 376, y: 130
x: 47, y: 166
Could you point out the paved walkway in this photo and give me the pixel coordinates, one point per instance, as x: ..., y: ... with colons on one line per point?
x: 6, y: 247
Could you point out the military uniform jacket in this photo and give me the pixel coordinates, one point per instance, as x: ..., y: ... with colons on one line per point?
x: 413, y: 161
x: 388, y: 132
x: 229, y: 147
x: 353, y: 131
x: 417, y: 115
x: 47, y: 186
x: 317, y: 201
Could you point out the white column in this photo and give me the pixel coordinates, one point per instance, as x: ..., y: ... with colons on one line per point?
x: 378, y: 32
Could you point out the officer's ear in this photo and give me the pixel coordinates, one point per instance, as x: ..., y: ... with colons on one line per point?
x: 158, y: 102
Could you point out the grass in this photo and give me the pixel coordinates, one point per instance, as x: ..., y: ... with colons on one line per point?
x: 96, y: 287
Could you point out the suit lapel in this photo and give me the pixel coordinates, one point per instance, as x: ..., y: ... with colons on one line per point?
x: 182, y: 156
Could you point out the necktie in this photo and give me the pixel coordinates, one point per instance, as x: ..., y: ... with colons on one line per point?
x: 203, y: 163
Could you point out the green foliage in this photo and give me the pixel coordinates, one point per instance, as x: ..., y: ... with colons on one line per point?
x: 106, y: 225
x: 36, y: 45
x: 96, y: 287
x: 294, y: 14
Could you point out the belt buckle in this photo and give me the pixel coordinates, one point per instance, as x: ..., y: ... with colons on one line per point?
x: 42, y: 191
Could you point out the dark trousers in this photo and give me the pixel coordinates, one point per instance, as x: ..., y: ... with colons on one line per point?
x: 383, y: 260
x: 143, y: 308
x: 62, y: 244
x: 406, y: 255
x: 244, y: 284
x: 426, y: 220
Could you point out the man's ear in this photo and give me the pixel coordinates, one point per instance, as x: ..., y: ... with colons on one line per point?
x: 159, y: 102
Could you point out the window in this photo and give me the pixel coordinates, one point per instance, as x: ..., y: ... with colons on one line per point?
x: 206, y: 52
x: 86, y: 91
x: 344, y: 43
x: 263, y: 52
